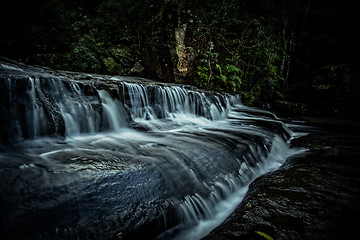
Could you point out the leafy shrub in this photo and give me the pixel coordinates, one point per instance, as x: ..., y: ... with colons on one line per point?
x: 87, y: 54
x: 230, y: 76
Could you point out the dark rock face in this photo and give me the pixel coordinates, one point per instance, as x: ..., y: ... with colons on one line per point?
x: 312, y: 196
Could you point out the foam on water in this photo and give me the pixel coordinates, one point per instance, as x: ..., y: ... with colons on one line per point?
x: 200, y: 215
x: 205, y: 149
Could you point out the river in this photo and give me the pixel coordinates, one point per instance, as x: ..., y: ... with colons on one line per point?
x: 106, y: 157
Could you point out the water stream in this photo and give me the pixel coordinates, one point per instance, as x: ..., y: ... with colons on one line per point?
x: 123, y: 158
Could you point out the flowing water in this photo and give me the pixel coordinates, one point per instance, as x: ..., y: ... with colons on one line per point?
x: 101, y: 157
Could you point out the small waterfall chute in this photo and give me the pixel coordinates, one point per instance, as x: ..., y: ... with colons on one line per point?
x: 113, y: 110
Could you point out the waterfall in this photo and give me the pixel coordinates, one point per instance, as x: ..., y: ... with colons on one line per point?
x: 61, y: 107
x: 57, y: 106
x: 112, y: 157
x: 114, y: 111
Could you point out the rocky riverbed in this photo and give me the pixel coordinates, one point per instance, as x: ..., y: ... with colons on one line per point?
x: 314, y: 195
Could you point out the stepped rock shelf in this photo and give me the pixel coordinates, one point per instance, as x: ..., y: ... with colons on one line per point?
x: 102, y: 157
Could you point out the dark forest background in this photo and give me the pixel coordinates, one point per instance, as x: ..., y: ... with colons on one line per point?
x: 300, y: 56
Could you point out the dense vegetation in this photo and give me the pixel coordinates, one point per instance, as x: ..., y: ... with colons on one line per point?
x: 229, y: 45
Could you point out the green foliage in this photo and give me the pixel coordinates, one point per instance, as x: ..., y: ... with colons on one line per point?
x: 266, y: 236
x: 86, y: 55
x: 203, y: 79
x: 250, y: 48
x: 230, y: 76
x: 118, y: 60
x: 211, y: 75
x: 111, y: 65
x: 238, y: 45
x: 205, y: 70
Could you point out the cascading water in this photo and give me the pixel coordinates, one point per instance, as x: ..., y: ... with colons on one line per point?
x: 125, y: 158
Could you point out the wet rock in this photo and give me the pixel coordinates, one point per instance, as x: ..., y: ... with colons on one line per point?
x: 269, y: 95
x: 289, y: 108
x: 128, y: 176
x: 313, y: 196
x: 283, y: 105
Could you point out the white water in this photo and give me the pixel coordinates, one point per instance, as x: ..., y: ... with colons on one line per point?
x: 201, y: 215
x: 206, y: 149
x: 113, y: 110
x: 9, y: 67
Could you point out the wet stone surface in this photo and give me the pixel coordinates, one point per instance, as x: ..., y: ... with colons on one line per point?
x: 99, y: 157
x: 314, y: 195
